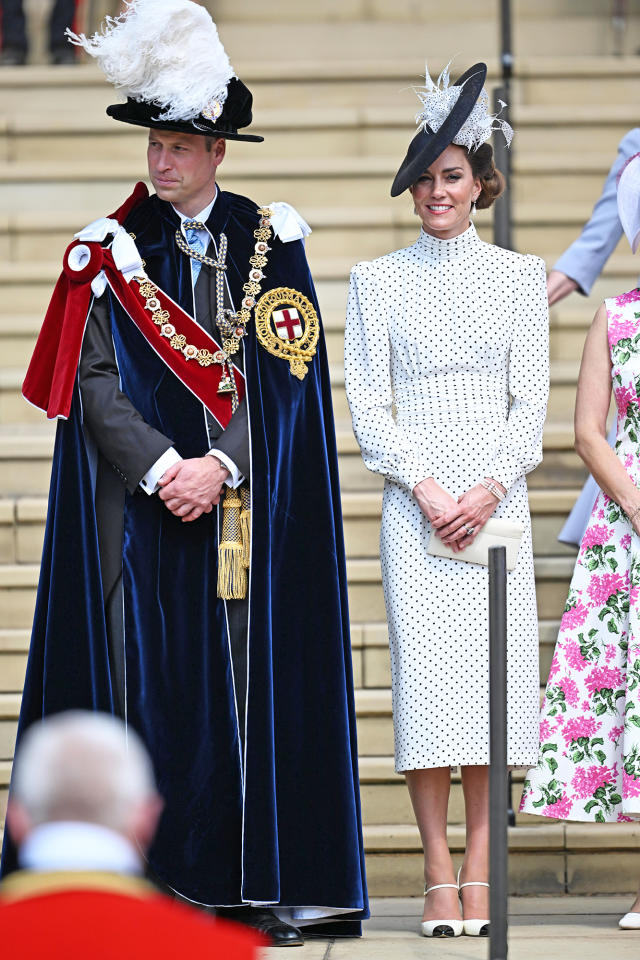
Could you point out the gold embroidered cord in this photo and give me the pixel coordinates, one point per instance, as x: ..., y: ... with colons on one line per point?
x: 232, y: 324
x: 245, y: 524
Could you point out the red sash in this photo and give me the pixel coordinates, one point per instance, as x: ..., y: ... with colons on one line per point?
x: 202, y: 381
x: 52, y: 371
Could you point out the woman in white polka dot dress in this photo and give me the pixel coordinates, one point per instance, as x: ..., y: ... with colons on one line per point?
x: 453, y: 332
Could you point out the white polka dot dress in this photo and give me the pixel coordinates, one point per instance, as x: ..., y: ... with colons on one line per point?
x: 446, y: 332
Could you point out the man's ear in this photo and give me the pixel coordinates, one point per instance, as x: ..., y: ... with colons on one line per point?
x: 144, y: 822
x: 219, y: 150
x: 19, y: 823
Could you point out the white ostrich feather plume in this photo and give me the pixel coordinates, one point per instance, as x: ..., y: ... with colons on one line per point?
x: 162, y: 51
x: 438, y: 99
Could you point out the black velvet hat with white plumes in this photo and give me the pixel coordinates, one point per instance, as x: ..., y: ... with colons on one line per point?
x: 167, y: 60
x: 452, y: 113
x: 235, y: 114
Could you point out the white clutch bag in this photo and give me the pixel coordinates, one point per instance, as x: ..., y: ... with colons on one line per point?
x: 495, y: 533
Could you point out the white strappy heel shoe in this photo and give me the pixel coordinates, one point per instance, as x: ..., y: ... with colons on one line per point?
x: 474, y: 927
x: 441, y: 928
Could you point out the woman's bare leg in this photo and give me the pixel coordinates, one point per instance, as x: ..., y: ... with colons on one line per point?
x: 475, y: 786
x: 429, y: 792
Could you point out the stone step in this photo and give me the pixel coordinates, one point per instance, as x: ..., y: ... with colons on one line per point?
x: 369, y: 646
x: 22, y: 521
x: 26, y: 287
x: 9, y: 712
x: 330, y: 273
x: 385, y: 798
x: 361, y: 517
x: 562, y: 396
x: 14, y: 647
x: 551, y: 858
x: 227, y: 12
x: 5, y: 776
x: 303, y: 132
x: 355, y: 232
x: 366, y: 600
x: 25, y: 460
x: 321, y: 181
x: 18, y: 584
x: 13, y: 408
x: 370, y: 650
x: 369, y: 81
x: 18, y: 334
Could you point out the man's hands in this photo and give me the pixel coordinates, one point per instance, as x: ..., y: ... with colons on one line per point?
x: 192, y: 487
x: 452, y: 519
x: 559, y: 286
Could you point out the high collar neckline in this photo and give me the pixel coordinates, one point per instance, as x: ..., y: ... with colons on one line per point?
x: 461, y: 246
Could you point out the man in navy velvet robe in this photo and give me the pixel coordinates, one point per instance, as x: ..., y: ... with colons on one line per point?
x: 245, y: 705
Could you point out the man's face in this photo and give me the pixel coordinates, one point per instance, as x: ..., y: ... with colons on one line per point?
x: 183, y: 170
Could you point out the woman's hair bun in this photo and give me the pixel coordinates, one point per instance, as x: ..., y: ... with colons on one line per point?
x: 483, y: 168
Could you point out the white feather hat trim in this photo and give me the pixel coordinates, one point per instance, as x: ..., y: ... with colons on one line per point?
x: 166, y: 52
x: 438, y: 99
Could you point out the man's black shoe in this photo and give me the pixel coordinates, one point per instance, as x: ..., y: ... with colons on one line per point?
x: 281, y: 934
x: 13, y: 57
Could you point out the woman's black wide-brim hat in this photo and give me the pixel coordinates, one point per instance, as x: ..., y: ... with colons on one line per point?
x: 427, y: 146
x: 236, y: 114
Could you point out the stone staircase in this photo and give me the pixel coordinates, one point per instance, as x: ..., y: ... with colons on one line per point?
x: 337, y: 118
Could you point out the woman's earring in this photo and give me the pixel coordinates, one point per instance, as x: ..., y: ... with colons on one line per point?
x: 473, y: 209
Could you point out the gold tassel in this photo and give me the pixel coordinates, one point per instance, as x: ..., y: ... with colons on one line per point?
x: 245, y: 524
x: 232, y: 573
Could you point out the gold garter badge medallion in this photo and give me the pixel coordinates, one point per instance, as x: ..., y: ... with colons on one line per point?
x: 287, y: 327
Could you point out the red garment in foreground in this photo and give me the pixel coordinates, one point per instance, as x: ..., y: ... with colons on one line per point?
x: 109, y: 917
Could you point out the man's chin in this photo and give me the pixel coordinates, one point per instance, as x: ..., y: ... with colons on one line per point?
x: 166, y: 191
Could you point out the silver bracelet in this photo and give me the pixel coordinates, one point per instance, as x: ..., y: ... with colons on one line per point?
x: 493, y: 488
x: 634, y: 514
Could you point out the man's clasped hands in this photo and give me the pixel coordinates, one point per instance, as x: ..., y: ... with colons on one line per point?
x: 192, y: 487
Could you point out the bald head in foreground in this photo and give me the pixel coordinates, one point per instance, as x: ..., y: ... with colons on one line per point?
x: 83, y: 810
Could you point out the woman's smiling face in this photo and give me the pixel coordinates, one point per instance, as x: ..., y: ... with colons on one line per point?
x: 444, y: 194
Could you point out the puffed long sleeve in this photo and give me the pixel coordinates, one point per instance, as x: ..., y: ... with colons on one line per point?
x: 584, y: 260
x: 528, y: 378
x: 368, y: 383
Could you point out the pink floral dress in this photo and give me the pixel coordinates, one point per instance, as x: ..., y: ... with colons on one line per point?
x: 589, y: 759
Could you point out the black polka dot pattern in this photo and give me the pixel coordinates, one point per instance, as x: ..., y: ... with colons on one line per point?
x: 453, y: 334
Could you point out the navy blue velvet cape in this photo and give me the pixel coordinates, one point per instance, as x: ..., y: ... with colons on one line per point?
x: 289, y: 832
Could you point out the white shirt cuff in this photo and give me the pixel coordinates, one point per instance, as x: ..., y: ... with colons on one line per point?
x: 236, y: 477
x: 149, y: 482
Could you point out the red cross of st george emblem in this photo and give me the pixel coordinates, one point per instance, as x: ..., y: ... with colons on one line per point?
x: 287, y: 323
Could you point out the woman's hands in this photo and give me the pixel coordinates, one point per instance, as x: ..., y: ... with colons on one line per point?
x: 459, y: 525
x: 432, y: 499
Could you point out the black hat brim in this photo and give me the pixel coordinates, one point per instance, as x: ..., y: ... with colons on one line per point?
x: 236, y: 113
x: 427, y: 146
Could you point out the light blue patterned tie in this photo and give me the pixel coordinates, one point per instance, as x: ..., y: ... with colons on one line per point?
x: 194, y: 241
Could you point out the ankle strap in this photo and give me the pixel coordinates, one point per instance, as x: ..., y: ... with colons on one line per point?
x: 439, y: 886
x: 473, y: 883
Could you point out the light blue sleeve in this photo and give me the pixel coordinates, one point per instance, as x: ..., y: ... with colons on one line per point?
x: 584, y: 260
